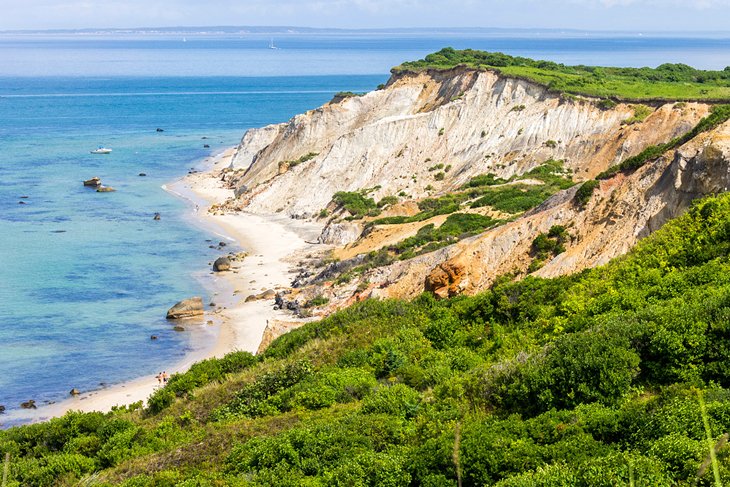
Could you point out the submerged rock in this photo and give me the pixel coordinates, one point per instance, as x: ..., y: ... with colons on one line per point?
x: 186, y: 308
x: 105, y: 189
x: 156, y: 217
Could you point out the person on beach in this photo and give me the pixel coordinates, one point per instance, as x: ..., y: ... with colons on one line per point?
x: 164, y: 377
x: 159, y: 379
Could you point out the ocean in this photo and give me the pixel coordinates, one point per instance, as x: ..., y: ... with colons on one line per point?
x: 86, y: 277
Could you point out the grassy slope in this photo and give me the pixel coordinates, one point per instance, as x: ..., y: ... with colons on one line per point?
x: 675, y: 82
x: 589, y: 379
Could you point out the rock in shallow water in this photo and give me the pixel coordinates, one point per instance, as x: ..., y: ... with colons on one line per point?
x: 222, y: 264
x: 186, y: 308
x: 30, y: 404
x: 94, y: 182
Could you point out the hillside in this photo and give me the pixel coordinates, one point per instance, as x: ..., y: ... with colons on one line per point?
x: 519, y: 283
x: 592, y: 379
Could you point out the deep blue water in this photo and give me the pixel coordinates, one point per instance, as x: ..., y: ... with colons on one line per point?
x: 85, y: 278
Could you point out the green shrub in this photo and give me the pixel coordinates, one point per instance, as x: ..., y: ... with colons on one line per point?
x: 396, y: 400
x: 253, y: 400
x: 387, y: 201
x: 316, y: 301
x: 488, y: 179
x: 641, y: 113
x: 584, y: 193
x: 356, y: 203
x: 606, y: 104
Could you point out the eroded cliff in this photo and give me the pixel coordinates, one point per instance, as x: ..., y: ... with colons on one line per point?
x: 427, y: 134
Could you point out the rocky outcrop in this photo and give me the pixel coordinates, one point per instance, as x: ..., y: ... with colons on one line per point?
x: 274, y: 329
x: 340, y: 233
x: 445, y: 279
x: 186, y: 308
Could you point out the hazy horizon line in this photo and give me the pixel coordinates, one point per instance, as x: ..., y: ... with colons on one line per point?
x: 284, y: 29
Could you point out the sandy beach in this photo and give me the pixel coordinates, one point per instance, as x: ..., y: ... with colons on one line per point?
x: 274, y: 245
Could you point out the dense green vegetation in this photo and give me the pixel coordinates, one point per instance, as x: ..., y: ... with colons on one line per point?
x: 357, y: 203
x: 665, y: 82
x: 586, y: 380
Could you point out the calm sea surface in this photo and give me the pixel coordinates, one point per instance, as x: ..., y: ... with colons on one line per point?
x: 85, y: 277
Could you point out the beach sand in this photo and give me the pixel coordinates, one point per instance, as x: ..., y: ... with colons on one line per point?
x: 274, y: 244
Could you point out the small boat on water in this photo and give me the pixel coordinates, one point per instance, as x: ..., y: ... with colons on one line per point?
x: 271, y: 44
x: 101, y: 150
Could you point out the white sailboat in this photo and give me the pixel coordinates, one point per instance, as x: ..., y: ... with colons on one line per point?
x: 271, y: 44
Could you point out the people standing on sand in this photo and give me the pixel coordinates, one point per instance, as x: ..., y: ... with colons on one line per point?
x: 159, y: 378
x: 164, y: 377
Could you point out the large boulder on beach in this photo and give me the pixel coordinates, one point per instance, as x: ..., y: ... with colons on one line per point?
x: 222, y: 264
x: 187, y: 308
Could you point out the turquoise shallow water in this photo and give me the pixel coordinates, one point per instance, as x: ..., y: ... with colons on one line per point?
x: 85, y: 278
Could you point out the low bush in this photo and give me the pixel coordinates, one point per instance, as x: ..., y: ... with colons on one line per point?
x: 585, y: 191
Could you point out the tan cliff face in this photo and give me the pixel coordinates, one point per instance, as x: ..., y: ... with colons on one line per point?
x: 622, y: 210
x: 475, y: 122
x: 472, y: 122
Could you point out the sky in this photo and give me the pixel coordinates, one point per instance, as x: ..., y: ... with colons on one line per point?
x: 613, y: 15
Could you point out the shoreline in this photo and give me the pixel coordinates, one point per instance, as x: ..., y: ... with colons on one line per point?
x: 273, y: 244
